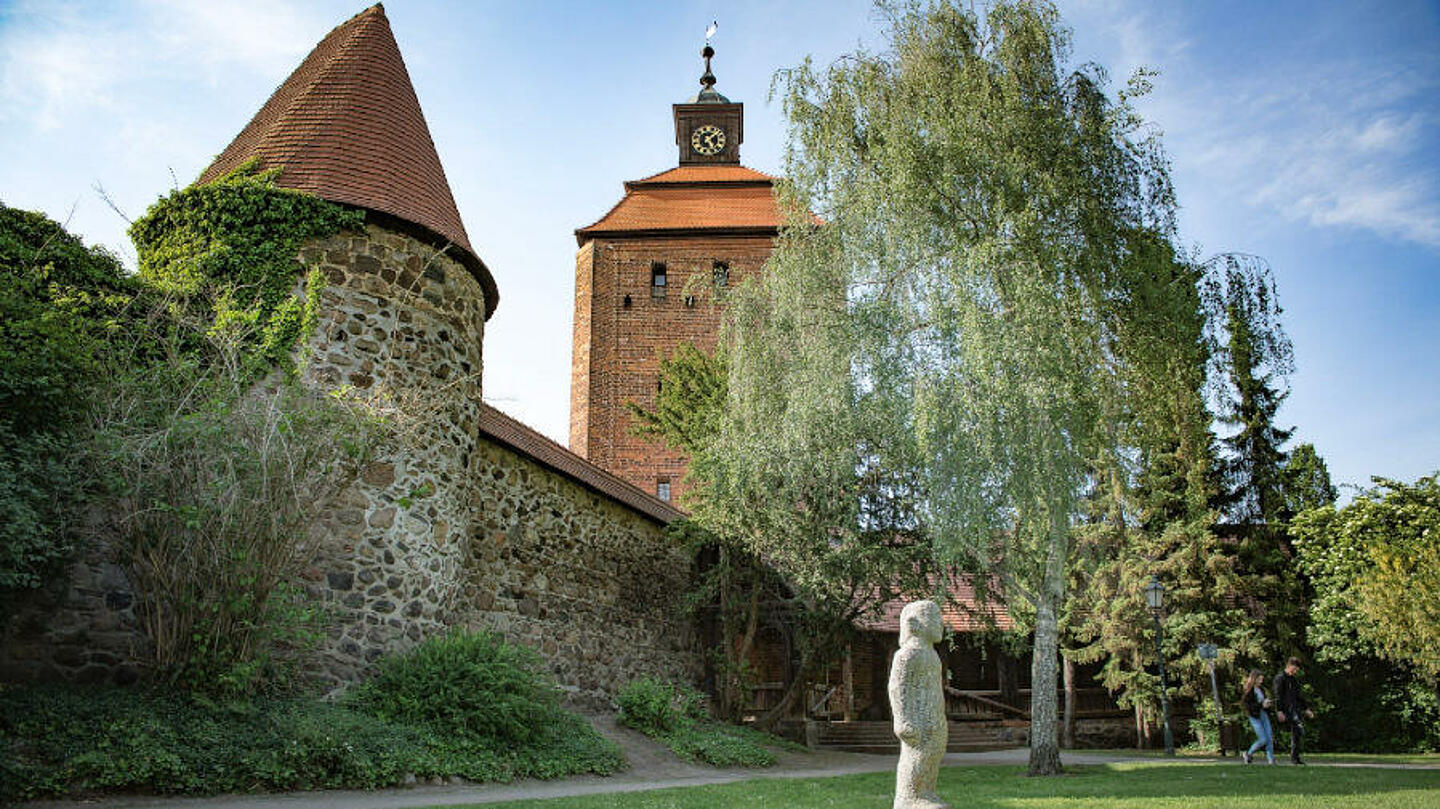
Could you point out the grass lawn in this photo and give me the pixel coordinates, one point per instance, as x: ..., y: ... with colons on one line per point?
x: 1424, y: 759
x: 1111, y: 786
x: 1428, y: 759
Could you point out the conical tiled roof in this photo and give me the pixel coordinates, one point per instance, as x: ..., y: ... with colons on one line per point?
x: 347, y: 127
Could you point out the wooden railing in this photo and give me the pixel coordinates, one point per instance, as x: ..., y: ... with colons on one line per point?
x: 977, y: 704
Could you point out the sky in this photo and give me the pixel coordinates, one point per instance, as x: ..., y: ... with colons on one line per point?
x: 1307, y: 133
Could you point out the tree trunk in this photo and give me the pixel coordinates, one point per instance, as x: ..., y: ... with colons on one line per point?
x: 1067, y: 738
x: 730, y: 706
x: 849, y: 678
x: 1005, y: 677
x: 1142, y: 732
x: 1044, y: 746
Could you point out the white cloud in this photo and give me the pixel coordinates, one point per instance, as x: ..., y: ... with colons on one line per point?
x: 65, y: 63
x: 1308, y: 136
x: 1336, y: 155
x: 266, y: 37
x: 56, y: 64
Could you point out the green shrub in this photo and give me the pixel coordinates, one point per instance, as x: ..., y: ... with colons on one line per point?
x: 58, y: 302
x: 466, y: 683
x: 654, y: 707
x: 677, y: 716
x: 61, y: 740
x: 66, y: 740
x: 488, y: 710
x: 38, y: 477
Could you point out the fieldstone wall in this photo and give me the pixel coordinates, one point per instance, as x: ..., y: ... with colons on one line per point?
x: 447, y: 526
x: 80, y: 627
x: 456, y: 528
x: 593, y: 585
x: 401, y: 318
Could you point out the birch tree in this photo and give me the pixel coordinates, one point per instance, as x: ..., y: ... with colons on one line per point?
x: 950, y: 327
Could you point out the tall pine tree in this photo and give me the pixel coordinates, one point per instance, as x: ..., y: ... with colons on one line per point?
x: 1251, y: 358
x: 1158, y: 520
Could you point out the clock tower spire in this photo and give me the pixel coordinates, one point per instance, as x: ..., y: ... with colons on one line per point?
x: 709, y: 127
x: 654, y: 272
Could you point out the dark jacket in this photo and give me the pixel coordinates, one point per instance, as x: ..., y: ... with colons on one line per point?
x: 1251, y: 701
x: 1287, y: 696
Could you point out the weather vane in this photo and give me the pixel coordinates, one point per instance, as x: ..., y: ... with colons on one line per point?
x: 710, y: 32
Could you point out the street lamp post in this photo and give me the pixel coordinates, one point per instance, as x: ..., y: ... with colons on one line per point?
x: 1209, y: 652
x: 1155, y: 598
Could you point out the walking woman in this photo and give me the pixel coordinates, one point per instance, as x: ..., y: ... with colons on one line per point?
x: 1257, y: 708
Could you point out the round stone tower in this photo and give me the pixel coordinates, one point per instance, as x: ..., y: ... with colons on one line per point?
x: 404, y: 312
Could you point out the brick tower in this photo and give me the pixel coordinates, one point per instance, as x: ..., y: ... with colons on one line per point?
x: 652, y: 273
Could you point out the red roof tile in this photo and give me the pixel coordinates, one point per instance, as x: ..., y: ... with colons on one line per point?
x: 723, y: 173
x: 528, y: 442
x: 721, y: 197
x: 962, y: 612
x: 347, y: 127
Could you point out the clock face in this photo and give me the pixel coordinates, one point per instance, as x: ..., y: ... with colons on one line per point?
x: 708, y: 140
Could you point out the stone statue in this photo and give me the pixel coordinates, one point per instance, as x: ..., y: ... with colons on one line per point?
x: 917, y: 699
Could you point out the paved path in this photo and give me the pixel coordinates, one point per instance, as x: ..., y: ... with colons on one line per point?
x: 653, y: 767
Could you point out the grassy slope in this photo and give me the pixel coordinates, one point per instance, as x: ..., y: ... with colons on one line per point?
x: 1116, y: 786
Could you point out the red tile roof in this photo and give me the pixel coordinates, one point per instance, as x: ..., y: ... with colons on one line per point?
x: 347, y: 127
x: 722, y: 173
x: 689, y: 198
x: 537, y: 447
x: 962, y: 612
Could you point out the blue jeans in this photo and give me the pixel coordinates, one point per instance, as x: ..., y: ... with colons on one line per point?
x: 1264, y: 736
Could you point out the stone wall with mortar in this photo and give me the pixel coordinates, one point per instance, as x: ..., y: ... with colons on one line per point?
x: 458, y: 528
x: 404, y: 321
x: 80, y: 627
x: 591, y: 584
x: 448, y: 527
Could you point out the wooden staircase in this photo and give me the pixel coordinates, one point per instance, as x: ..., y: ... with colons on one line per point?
x: 879, y: 737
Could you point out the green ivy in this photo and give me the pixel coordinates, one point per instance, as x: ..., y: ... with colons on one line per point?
x: 60, y: 304
x: 227, y: 250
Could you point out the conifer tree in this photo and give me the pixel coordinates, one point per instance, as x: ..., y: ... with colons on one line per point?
x: 1158, y: 521
x: 1251, y: 358
x: 1306, y: 482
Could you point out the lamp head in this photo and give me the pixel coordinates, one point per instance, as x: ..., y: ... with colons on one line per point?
x: 1155, y: 595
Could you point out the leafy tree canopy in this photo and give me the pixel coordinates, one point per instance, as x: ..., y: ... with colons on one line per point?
x: 1375, y: 565
x: 937, y: 359
x: 58, y: 300
x: 1306, y: 482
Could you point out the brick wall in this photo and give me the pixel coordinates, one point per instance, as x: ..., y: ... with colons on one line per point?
x: 617, y: 347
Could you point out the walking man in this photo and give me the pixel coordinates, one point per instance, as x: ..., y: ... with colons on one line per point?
x: 1290, y: 706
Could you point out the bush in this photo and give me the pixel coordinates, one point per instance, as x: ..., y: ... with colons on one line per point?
x: 59, y: 740
x: 58, y: 301
x: 38, y: 481
x: 654, y: 707
x: 213, y: 497
x: 66, y: 740
x: 677, y: 716
x: 487, y: 709
x: 465, y: 683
